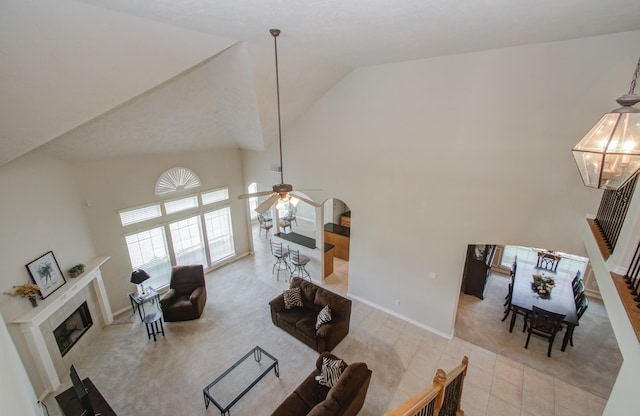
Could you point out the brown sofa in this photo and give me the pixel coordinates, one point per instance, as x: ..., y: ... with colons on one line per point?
x: 343, y: 399
x: 300, y: 321
x: 187, y: 294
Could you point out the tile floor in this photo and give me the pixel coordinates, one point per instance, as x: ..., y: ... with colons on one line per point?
x: 494, y: 386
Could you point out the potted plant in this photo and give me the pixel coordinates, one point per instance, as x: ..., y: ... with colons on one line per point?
x: 76, y: 270
x: 28, y: 291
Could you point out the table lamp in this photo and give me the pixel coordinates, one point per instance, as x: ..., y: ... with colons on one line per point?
x: 137, y: 277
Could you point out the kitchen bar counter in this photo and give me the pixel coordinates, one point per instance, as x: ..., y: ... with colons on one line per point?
x: 303, y: 240
x: 338, y: 229
x: 298, y: 239
x: 310, y: 243
x: 339, y: 236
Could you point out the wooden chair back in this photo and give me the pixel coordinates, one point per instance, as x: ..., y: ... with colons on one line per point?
x: 545, y: 324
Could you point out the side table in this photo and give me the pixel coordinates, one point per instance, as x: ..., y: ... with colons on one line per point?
x: 138, y: 301
x: 151, y: 322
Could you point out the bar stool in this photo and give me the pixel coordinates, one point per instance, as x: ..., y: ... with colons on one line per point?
x: 299, y: 263
x: 151, y: 322
x: 281, y: 258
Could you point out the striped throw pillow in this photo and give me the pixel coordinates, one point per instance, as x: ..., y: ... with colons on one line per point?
x: 330, y: 372
x: 323, y: 317
x: 292, y: 297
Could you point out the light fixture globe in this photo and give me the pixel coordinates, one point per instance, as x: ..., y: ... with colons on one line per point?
x: 283, y: 190
x: 609, y: 154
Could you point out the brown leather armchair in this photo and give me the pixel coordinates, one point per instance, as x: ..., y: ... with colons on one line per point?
x: 187, y: 294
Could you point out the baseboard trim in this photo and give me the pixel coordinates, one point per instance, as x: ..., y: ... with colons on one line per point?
x: 400, y: 316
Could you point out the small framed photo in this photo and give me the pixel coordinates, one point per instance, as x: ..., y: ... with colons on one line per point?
x: 45, y: 272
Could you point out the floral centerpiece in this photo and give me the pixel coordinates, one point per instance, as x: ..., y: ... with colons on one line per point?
x: 543, y: 284
x: 26, y: 291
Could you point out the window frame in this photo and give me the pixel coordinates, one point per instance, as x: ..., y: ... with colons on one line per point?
x: 165, y: 220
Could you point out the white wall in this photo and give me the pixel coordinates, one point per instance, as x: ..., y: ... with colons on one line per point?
x: 436, y: 154
x: 111, y: 185
x: 625, y: 388
x: 41, y: 210
x: 16, y: 394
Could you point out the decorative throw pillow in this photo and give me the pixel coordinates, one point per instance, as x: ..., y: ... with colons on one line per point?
x: 330, y: 372
x: 292, y: 297
x: 323, y: 317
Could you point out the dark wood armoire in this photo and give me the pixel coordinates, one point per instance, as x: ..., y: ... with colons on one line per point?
x: 477, y: 269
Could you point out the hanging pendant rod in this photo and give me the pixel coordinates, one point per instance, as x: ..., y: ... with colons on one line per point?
x: 275, y: 33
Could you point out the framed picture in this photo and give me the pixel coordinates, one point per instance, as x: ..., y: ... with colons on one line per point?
x: 45, y: 272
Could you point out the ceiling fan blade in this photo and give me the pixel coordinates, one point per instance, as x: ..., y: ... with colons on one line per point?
x: 266, y: 204
x: 255, y: 194
x: 308, y: 201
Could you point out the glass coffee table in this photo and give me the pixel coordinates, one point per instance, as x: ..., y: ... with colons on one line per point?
x: 228, y: 388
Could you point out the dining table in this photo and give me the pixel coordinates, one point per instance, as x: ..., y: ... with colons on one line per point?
x: 561, y: 300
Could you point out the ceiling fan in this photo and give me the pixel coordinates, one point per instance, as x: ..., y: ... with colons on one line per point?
x: 280, y: 193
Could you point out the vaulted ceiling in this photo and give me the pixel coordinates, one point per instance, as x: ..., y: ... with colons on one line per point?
x: 84, y: 78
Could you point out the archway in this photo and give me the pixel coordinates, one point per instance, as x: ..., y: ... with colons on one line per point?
x: 337, y: 232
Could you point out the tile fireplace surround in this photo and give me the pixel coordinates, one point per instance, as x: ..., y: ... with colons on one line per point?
x: 36, y: 326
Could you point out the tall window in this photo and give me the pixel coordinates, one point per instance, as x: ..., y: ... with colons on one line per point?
x: 148, y: 251
x: 199, y: 229
x: 188, y: 246
x: 219, y: 233
x: 253, y: 201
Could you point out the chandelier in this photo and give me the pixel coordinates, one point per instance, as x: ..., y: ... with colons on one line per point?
x: 609, y: 154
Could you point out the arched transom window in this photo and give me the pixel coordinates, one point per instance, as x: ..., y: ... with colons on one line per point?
x: 176, y: 179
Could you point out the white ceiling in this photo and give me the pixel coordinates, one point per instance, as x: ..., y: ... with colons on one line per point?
x: 84, y: 76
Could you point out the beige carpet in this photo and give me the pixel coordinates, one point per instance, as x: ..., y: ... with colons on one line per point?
x: 591, y: 364
x: 140, y: 377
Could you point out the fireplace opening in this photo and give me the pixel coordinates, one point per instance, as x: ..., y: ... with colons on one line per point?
x: 73, y: 328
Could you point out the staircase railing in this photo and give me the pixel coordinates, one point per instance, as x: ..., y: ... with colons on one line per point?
x: 443, y: 398
x: 612, y: 212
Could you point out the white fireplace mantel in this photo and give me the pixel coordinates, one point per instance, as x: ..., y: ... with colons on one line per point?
x: 29, y: 323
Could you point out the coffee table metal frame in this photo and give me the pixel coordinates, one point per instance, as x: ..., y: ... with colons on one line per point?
x: 257, y: 355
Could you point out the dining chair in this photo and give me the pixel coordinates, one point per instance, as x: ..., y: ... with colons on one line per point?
x: 509, y: 295
x: 291, y: 215
x: 576, y: 280
x: 284, y: 224
x: 581, y: 308
x: 578, y: 291
x: 512, y: 275
x: 265, y: 224
x: 545, y: 324
x: 299, y: 263
x: 509, y: 308
x: 507, y: 302
x: 281, y: 256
